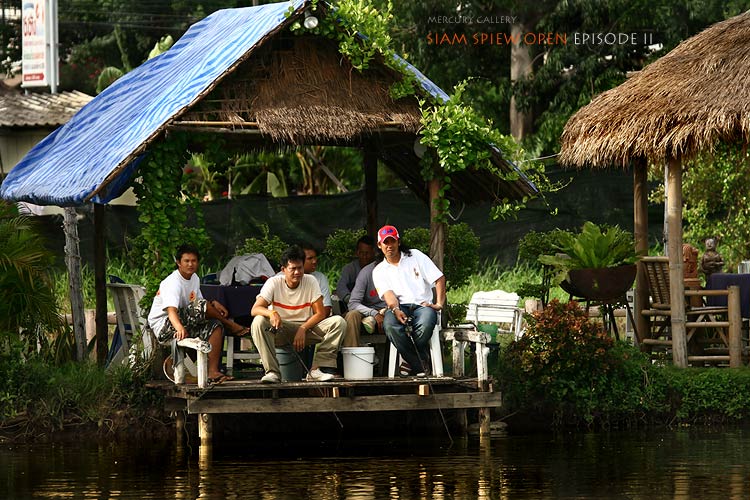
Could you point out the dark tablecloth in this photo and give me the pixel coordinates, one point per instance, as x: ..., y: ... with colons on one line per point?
x: 238, y: 299
x: 721, y: 281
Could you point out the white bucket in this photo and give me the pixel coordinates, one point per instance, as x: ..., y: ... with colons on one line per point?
x: 358, y: 362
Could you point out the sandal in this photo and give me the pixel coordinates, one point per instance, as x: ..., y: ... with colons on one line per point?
x: 239, y: 333
x: 217, y: 380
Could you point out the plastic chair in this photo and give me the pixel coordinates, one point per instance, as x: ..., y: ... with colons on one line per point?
x: 436, y: 353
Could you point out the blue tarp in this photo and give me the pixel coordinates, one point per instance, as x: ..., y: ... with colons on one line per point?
x: 99, y: 149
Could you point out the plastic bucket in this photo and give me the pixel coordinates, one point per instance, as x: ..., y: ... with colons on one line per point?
x: 291, y: 369
x: 358, y: 362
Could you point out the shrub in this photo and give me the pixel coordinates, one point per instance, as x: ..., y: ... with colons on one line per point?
x: 461, y: 251
x: 341, y: 245
x: 567, y: 365
x: 270, y: 246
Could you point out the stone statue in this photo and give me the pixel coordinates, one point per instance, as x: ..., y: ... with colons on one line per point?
x: 711, y: 262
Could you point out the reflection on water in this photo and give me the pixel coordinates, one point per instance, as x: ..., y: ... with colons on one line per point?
x: 685, y: 464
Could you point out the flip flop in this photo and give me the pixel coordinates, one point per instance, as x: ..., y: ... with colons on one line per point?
x: 217, y: 380
x: 240, y: 333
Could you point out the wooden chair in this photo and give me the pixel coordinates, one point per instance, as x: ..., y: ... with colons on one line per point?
x: 713, y: 333
x: 129, y: 319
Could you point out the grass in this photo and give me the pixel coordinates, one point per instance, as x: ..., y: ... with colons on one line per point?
x: 495, y: 276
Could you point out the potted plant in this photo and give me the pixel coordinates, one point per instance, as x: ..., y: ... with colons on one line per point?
x: 596, y: 264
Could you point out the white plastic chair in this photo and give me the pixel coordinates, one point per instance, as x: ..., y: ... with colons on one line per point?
x: 496, y: 306
x: 436, y: 353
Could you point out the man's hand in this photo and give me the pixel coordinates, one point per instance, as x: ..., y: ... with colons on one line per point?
x: 400, y: 316
x: 299, y: 338
x: 180, y: 333
x: 379, y: 320
x: 220, y: 307
x: 436, y: 307
x: 275, y: 320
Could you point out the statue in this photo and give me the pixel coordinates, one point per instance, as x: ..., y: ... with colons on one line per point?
x: 711, y: 262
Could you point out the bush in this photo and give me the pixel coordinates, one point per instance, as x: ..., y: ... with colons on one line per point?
x: 461, y: 251
x: 568, y: 366
x: 341, y: 245
x: 270, y: 246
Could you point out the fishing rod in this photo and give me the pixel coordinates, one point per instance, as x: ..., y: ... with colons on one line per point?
x: 307, y: 370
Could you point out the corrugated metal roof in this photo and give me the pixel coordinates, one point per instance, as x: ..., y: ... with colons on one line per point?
x: 93, y: 156
x: 40, y: 110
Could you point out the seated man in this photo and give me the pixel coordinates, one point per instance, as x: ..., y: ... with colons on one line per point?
x: 365, y: 308
x: 404, y: 279
x: 179, y: 311
x: 365, y: 254
x: 311, y: 264
x: 289, y: 310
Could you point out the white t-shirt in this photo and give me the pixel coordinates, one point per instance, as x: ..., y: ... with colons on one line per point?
x: 325, y: 288
x: 411, y: 279
x: 292, y: 304
x: 174, y: 291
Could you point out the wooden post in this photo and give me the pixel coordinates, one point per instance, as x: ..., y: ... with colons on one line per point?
x: 484, y: 422
x: 437, y: 229
x: 674, y: 245
x: 735, y: 326
x: 371, y: 190
x: 205, y: 429
x: 73, y: 263
x: 179, y: 425
x: 640, y: 225
x: 100, y: 285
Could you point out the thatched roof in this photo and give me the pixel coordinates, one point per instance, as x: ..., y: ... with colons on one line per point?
x: 299, y: 90
x: 683, y: 103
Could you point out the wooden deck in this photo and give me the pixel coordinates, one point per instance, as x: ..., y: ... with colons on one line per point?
x: 339, y: 395
x: 245, y: 396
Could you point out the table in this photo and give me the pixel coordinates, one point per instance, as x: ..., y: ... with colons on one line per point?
x: 238, y: 299
x: 720, y: 281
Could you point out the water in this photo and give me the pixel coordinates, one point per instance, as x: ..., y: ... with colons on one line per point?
x: 682, y: 464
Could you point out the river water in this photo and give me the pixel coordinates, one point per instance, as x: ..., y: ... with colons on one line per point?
x: 676, y: 464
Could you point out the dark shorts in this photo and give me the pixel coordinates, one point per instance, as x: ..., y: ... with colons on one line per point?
x: 193, y: 318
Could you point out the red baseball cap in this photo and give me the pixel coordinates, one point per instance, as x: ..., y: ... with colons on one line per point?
x: 387, y: 232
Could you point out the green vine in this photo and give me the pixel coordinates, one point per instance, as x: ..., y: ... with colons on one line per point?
x: 163, y: 213
x: 456, y: 136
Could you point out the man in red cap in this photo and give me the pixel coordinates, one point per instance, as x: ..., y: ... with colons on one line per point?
x: 405, y: 279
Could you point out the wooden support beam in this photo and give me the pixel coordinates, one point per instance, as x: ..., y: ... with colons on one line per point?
x: 640, y: 225
x: 735, y: 327
x: 674, y: 246
x: 371, y: 190
x: 75, y: 290
x: 437, y: 228
x: 100, y: 282
x: 397, y: 402
x: 205, y: 429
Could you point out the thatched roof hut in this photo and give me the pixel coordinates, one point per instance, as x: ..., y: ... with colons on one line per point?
x: 682, y: 104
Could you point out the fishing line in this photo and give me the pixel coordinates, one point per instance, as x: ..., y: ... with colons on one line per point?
x: 409, y: 330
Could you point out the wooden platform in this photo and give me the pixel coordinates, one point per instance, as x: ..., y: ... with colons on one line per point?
x: 339, y: 395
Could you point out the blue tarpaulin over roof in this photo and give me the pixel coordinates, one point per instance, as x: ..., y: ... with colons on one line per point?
x: 94, y: 155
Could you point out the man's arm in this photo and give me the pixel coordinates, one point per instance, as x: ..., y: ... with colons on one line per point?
x: 393, y: 305
x: 260, y: 308
x: 319, y: 314
x: 174, y: 318
x: 358, y: 295
x: 439, y: 294
x: 342, y: 287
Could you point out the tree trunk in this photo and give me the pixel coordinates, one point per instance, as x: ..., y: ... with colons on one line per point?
x: 520, y: 69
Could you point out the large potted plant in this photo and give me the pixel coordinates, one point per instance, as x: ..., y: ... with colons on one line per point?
x: 596, y: 264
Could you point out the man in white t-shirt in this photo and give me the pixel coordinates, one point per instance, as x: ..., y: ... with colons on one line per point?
x: 289, y: 310
x: 404, y: 279
x: 179, y: 311
x: 311, y: 268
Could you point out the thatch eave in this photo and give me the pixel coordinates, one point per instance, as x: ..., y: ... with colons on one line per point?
x: 684, y: 103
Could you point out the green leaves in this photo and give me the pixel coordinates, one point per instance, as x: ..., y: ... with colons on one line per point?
x: 594, y: 247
